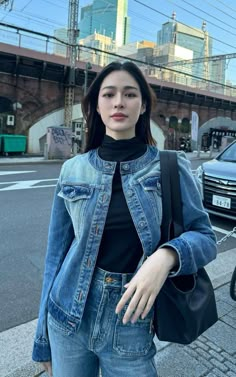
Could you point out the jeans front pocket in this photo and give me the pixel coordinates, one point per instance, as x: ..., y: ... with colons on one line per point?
x: 133, y: 339
x: 57, y: 326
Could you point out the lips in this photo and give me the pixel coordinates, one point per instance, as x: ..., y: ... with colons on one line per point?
x: 119, y: 116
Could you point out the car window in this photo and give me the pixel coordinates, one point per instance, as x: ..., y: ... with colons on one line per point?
x: 229, y: 154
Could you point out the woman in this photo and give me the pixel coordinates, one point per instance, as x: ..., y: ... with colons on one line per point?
x: 97, y: 302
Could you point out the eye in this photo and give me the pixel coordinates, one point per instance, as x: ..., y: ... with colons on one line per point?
x: 130, y: 95
x: 107, y: 95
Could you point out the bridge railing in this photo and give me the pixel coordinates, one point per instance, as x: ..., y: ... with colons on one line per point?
x: 180, y: 75
x: 29, y: 40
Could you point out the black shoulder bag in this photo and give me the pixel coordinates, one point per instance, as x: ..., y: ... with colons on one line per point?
x: 185, y: 307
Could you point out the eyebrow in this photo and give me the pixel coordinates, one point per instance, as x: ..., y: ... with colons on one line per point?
x: 114, y: 87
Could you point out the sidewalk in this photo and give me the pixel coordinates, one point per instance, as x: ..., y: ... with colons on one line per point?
x: 212, y: 355
x: 30, y: 159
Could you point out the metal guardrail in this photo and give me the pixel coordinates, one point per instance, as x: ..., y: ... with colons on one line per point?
x: 47, y: 44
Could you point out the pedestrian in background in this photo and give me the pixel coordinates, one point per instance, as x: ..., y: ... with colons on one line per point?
x: 97, y: 300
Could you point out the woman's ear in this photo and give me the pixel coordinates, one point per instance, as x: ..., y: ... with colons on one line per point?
x: 143, y: 109
x: 98, y: 110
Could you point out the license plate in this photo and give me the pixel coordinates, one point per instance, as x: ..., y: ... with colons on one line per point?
x: 221, y: 201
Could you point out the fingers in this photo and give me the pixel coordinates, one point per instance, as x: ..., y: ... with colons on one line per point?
x: 148, y: 306
x: 140, y: 303
x: 133, y: 307
x: 48, y: 367
x: 125, y: 298
x: 139, y: 309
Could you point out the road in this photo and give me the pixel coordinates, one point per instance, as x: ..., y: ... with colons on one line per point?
x: 26, y: 193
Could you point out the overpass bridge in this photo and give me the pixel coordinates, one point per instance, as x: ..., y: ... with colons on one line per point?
x: 33, y: 86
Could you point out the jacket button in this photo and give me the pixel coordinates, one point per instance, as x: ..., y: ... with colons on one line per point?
x: 125, y: 166
x: 141, y: 224
x: 108, y: 166
x: 130, y: 193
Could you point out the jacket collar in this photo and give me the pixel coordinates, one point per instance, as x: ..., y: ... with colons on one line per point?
x: 126, y: 167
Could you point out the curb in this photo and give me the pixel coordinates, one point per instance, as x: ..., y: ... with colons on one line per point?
x: 16, y: 343
x: 41, y: 159
x: 29, y: 161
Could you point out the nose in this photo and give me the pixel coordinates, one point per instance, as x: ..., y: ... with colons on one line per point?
x: 118, y: 101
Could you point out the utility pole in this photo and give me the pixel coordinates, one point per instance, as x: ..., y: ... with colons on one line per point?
x: 84, y: 130
x: 206, y: 51
x: 72, y: 53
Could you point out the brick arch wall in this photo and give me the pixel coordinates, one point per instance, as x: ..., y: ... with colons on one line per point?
x: 39, y: 98
x: 36, y: 97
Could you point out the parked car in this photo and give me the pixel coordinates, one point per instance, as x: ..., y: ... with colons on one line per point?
x: 217, y: 179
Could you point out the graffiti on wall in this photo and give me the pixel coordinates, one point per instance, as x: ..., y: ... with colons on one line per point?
x: 61, y: 136
x: 59, y: 140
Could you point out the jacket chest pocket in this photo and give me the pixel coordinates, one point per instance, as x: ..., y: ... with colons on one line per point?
x: 152, y: 188
x: 76, y: 198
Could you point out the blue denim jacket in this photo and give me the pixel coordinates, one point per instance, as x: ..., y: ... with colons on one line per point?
x: 78, y: 216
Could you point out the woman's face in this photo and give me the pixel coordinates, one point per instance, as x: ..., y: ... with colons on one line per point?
x: 120, y: 104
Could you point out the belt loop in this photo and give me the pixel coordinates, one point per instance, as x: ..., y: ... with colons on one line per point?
x: 124, y: 280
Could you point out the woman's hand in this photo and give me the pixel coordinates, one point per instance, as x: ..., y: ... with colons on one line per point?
x: 47, y: 365
x: 144, y: 287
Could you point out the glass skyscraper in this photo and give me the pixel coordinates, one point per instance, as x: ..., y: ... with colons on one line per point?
x: 106, y: 17
x: 191, y: 38
x: 200, y: 43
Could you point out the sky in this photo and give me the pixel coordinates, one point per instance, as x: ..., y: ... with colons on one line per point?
x: 146, y: 18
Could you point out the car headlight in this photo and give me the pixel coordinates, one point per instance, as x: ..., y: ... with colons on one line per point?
x: 199, y: 173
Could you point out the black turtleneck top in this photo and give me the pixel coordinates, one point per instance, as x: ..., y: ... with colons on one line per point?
x: 120, y: 249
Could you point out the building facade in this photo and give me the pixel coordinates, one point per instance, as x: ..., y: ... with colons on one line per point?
x: 165, y: 55
x: 200, y: 43
x: 196, y: 40
x: 100, y: 42
x: 105, y: 17
x: 60, y: 48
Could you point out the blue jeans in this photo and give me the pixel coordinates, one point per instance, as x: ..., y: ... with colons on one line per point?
x: 103, y: 342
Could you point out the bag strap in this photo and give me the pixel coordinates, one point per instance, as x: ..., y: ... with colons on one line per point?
x: 172, y: 218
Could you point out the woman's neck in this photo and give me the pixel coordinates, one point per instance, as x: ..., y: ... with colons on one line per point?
x: 121, y: 150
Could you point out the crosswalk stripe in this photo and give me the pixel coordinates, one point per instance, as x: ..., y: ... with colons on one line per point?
x: 17, y: 172
x: 22, y: 185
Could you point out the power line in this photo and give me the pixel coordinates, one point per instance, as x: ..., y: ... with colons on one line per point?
x: 54, y: 22
x: 222, y: 11
x: 47, y: 36
x: 51, y: 22
x: 216, y: 18
x: 163, y: 14
x: 226, y: 5
x: 57, y: 5
x: 26, y: 5
x: 61, y: 42
x: 199, y: 60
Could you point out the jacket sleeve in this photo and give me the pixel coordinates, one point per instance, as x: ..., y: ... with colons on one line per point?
x: 60, y: 237
x: 197, y: 245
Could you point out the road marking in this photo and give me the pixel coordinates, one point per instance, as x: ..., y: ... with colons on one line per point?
x: 17, y: 172
x: 22, y: 185
x: 223, y: 231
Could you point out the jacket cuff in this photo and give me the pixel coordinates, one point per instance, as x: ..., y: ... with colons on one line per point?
x: 181, y: 247
x: 41, y: 350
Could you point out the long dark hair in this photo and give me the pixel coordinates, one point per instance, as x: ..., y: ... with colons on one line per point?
x: 94, y: 123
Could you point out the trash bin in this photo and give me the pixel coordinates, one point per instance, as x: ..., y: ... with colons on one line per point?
x: 13, y: 143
